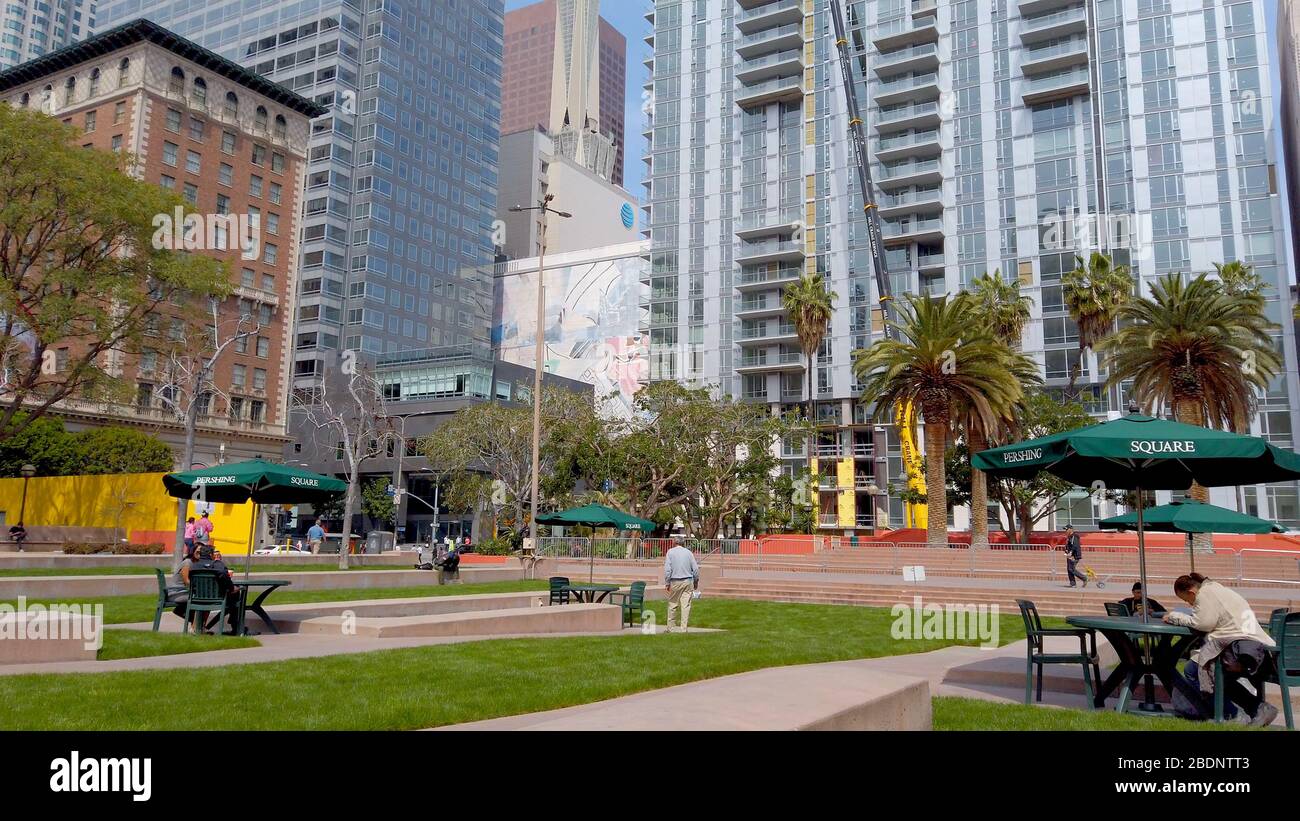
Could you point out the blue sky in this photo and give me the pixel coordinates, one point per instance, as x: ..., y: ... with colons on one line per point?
x: 628, y: 16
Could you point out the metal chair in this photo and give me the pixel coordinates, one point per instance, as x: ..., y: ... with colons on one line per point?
x: 1037, y: 656
x: 558, y: 594
x: 632, y: 602
x: 205, y: 597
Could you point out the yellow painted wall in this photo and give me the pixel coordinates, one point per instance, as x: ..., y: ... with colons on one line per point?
x: 848, y: 500
x: 136, y: 502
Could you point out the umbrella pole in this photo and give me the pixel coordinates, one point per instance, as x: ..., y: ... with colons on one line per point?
x: 252, y: 534
x: 1142, y: 558
x: 1191, y: 554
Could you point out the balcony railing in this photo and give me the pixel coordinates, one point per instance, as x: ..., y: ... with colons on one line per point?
x: 904, y: 112
x: 911, y: 52
x: 892, y: 172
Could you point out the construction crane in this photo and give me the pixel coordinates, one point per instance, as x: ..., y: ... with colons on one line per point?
x: 904, y: 415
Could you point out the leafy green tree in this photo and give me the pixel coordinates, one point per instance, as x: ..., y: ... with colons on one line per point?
x: 80, y: 276
x: 1094, y: 293
x: 120, y: 450
x: 1026, y: 503
x: 42, y: 443
x: 946, y: 363
x: 1005, y: 310
x: 376, y: 503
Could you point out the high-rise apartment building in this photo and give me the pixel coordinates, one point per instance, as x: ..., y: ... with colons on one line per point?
x: 998, y: 131
x: 402, y: 177
x: 1288, y: 32
x: 234, y: 145
x: 32, y: 28
x: 565, y: 70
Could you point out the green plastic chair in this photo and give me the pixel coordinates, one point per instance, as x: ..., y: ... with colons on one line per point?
x: 205, y: 597
x: 632, y: 602
x: 163, y: 600
x: 1036, y: 656
x: 558, y: 594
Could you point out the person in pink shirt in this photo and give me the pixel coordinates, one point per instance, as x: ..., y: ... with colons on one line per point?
x: 203, y: 529
x: 190, y: 529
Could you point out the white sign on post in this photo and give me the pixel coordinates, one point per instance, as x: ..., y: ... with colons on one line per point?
x: 914, y: 573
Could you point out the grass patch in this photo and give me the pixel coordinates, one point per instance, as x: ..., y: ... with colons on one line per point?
x: 974, y: 714
x: 131, y: 609
x: 473, y: 681
x: 131, y: 644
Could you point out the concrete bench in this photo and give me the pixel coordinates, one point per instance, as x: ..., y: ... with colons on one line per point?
x: 847, y: 695
x: 27, y: 638
x: 571, y: 618
x: 289, y: 617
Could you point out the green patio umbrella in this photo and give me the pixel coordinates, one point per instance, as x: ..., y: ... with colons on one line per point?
x: 1190, y: 516
x: 258, y: 481
x: 597, y: 516
x: 1139, y: 452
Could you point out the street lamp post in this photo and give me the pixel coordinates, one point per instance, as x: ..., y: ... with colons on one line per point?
x: 545, y: 208
x: 27, y: 472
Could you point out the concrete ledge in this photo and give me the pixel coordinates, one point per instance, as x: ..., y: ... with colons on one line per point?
x: 288, y: 617
x: 29, y: 639
x: 81, y: 587
x: 31, y: 558
x: 847, y: 695
x: 572, y: 618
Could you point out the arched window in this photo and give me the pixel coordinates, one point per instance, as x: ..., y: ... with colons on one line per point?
x: 69, y: 90
x: 47, y: 99
x: 27, y: 98
x: 232, y: 104
x: 259, y: 118
x: 176, y: 85
x: 123, y: 71
x: 200, y: 92
x: 281, y: 127
x: 94, y: 83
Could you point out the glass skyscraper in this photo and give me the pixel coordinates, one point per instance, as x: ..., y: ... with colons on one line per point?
x: 1002, y: 135
x: 401, y: 185
x: 32, y: 28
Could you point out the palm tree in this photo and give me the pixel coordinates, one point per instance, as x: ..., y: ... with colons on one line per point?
x: 946, y: 363
x: 1094, y: 293
x: 1198, y: 348
x: 1005, y: 312
x: 809, y: 305
x: 1237, y: 278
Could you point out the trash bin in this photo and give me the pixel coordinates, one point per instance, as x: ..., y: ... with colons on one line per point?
x: 380, y: 541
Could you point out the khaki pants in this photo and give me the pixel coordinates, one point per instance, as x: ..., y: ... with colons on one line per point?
x: 679, y: 595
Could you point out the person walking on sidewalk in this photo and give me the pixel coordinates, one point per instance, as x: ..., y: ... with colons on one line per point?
x: 681, y: 574
x: 1073, y: 555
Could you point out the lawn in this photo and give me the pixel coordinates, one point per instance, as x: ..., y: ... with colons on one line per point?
x: 973, y: 714
x: 130, y: 609
x: 446, y: 684
x: 130, y: 644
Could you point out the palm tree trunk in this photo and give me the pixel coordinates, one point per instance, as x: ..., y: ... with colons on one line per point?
x: 936, y: 489
x: 1187, y: 412
x: 812, y: 431
x: 979, y: 496
x: 1074, y: 375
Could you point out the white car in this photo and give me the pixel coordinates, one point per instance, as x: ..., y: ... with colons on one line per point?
x: 281, y: 550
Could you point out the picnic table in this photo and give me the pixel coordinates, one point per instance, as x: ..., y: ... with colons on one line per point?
x: 244, y: 585
x: 1167, y: 643
x: 590, y: 593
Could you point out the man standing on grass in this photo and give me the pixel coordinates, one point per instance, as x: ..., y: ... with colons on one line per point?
x: 681, y: 574
x: 316, y: 536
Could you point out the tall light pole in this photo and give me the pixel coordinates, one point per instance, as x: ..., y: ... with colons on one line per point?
x: 545, y: 208
x: 27, y: 472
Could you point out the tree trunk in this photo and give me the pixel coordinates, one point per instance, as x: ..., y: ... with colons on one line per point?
x: 812, y: 433
x: 936, y: 489
x: 1187, y: 412
x: 183, y: 505
x: 979, y: 497
x: 1074, y: 374
x: 348, y: 505
x: 1026, y: 516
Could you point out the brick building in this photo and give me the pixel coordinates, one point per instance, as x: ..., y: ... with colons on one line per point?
x: 230, y: 142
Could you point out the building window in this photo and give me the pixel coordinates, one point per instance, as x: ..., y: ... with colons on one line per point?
x: 223, y: 204
x: 117, y: 142
x: 277, y: 163
x: 176, y: 84
x: 173, y: 123
x: 167, y: 182
x: 275, y: 193
x: 255, y: 186
x: 196, y: 129
x: 123, y: 71
x: 236, y: 407
x: 259, y: 379
x: 93, y: 88
x: 191, y: 193
x: 227, y: 142
x: 256, y: 410
x: 90, y: 121
x: 200, y: 93
x: 263, y: 347
x: 258, y: 156
x: 226, y: 174
x: 170, y: 152
x: 192, y: 162
x: 270, y: 254
x: 238, y: 375
x: 119, y: 111
x: 231, y: 105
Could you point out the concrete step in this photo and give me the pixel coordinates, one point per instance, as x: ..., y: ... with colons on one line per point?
x: 570, y: 618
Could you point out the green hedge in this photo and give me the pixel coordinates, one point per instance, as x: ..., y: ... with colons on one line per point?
x: 118, y: 548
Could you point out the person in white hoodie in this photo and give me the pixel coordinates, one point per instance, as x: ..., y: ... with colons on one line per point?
x: 1224, y: 617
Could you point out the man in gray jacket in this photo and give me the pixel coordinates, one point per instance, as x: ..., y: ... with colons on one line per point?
x: 681, y: 574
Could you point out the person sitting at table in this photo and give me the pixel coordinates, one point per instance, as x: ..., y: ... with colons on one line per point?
x: 1134, y: 602
x: 208, y: 559
x: 1229, y: 624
